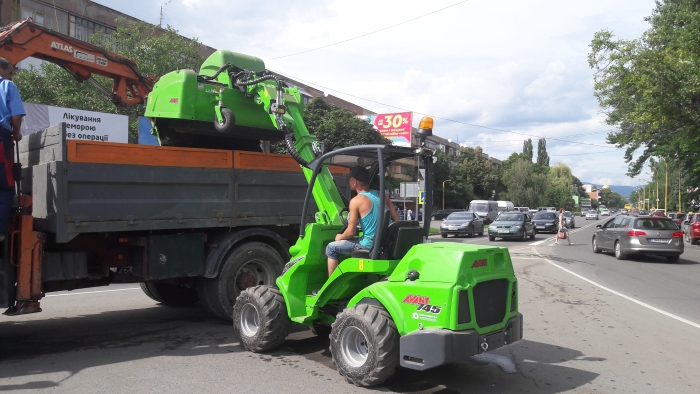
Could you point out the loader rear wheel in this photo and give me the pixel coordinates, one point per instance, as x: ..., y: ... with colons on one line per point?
x: 260, y: 318
x: 248, y: 265
x: 365, y: 345
x: 229, y: 120
x: 170, y: 294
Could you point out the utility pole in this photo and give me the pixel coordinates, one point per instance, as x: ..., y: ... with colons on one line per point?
x: 160, y: 21
x: 680, y: 202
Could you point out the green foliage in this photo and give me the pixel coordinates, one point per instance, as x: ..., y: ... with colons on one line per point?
x: 612, y: 199
x: 527, y: 149
x: 156, y: 52
x: 542, y: 156
x: 513, y: 158
x: 526, y: 187
x: 649, y: 88
x: 476, y: 173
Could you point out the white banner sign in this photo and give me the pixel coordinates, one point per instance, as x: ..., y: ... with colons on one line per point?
x: 80, y: 125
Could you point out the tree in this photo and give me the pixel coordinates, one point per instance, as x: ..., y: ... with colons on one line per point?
x: 610, y: 198
x: 525, y: 186
x: 527, y: 148
x: 513, y: 158
x: 649, y: 87
x: 475, y: 173
x: 156, y: 52
x: 560, y: 186
x: 542, y: 156
x: 335, y: 127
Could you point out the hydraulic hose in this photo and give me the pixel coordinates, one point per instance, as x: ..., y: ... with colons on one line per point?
x: 289, y: 142
x: 216, y: 74
x: 254, y: 81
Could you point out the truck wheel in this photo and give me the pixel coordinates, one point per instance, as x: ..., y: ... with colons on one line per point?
x: 365, y: 345
x: 260, y: 318
x: 229, y: 121
x: 169, y: 294
x: 251, y: 264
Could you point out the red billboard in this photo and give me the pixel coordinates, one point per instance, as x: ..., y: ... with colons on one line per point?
x: 395, y: 127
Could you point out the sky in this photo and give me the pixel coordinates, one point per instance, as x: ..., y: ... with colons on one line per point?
x: 519, y: 67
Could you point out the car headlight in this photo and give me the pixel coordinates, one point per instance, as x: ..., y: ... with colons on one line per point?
x: 466, y: 224
x: 515, y: 227
x: 442, y: 225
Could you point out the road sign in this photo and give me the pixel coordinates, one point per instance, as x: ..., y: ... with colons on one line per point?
x: 421, y: 197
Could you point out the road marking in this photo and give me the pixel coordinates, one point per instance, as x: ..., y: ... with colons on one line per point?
x: 93, y: 292
x: 617, y: 293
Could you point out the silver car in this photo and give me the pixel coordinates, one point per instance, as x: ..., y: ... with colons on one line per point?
x: 592, y: 214
x: 626, y: 235
x: 570, y: 219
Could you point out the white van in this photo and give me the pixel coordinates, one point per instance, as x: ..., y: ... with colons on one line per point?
x: 487, y: 210
x: 505, y: 206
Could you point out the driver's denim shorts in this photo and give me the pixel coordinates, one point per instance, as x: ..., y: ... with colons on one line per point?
x: 336, y: 249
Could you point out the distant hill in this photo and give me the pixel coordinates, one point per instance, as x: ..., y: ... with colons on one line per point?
x: 625, y: 191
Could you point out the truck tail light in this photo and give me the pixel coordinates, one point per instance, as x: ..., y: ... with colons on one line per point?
x: 677, y: 234
x: 637, y: 233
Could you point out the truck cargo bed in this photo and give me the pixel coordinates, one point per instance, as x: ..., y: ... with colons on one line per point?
x: 89, y: 187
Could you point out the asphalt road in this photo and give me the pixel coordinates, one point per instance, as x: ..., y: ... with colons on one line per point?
x: 580, y: 337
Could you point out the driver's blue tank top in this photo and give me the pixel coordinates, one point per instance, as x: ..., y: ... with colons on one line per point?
x: 370, y: 221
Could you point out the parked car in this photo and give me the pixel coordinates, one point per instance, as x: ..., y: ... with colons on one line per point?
x: 523, y: 209
x: 623, y: 210
x: 462, y: 223
x: 646, y: 235
x: 605, y: 212
x: 592, y: 214
x: 692, y: 229
x: 546, y: 222
x: 569, y: 219
x: 443, y: 213
x: 584, y: 211
x: 659, y: 213
x: 512, y: 225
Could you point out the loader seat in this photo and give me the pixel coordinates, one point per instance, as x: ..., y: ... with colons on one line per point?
x: 397, y: 238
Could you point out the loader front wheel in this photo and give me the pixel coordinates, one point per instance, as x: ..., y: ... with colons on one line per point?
x: 229, y: 120
x: 365, y: 345
x: 260, y: 318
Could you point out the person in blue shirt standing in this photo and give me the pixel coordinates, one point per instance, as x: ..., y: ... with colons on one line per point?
x: 11, y: 114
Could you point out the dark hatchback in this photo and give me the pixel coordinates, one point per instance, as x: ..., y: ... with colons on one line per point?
x: 443, y: 213
x: 546, y: 222
x: 462, y: 223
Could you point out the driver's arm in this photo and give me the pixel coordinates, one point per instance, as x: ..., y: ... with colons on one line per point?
x: 353, y: 219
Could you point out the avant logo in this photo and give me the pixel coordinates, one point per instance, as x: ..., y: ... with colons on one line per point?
x: 61, y: 47
x: 416, y: 300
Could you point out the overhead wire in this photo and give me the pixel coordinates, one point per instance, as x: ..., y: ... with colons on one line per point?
x: 370, y: 33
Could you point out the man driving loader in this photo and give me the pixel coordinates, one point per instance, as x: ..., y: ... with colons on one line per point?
x: 364, y: 208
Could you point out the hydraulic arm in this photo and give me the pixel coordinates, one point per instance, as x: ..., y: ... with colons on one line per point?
x: 81, y: 59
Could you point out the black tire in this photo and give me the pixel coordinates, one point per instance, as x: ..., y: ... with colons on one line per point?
x: 443, y: 235
x: 471, y: 232
x: 492, y: 238
x: 169, y: 294
x: 594, y: 245
x: 373, y: 325
x: 693, y: 241
x: 481, y: 233
x: 619, y: 254
x: 260, y: 318
x: 523, y: 236
x: 321, y: 330
x: 229, y: 121
x: 532, y: 236
x: 251, y: 259
x: 673, y: 259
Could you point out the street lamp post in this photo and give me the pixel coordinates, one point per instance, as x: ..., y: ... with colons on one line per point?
x: 443, y: 192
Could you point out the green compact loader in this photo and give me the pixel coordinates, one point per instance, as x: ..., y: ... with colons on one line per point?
x: 406, y: 302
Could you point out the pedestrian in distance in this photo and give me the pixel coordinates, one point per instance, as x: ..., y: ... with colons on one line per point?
x: 11, y: 114
x: 409, y: 214
x: 563, y: 232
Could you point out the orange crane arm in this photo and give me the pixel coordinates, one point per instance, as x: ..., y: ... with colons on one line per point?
x: 81, y: 59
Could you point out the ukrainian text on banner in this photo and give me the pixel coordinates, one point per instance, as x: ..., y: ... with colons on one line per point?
x: 80, y: 125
